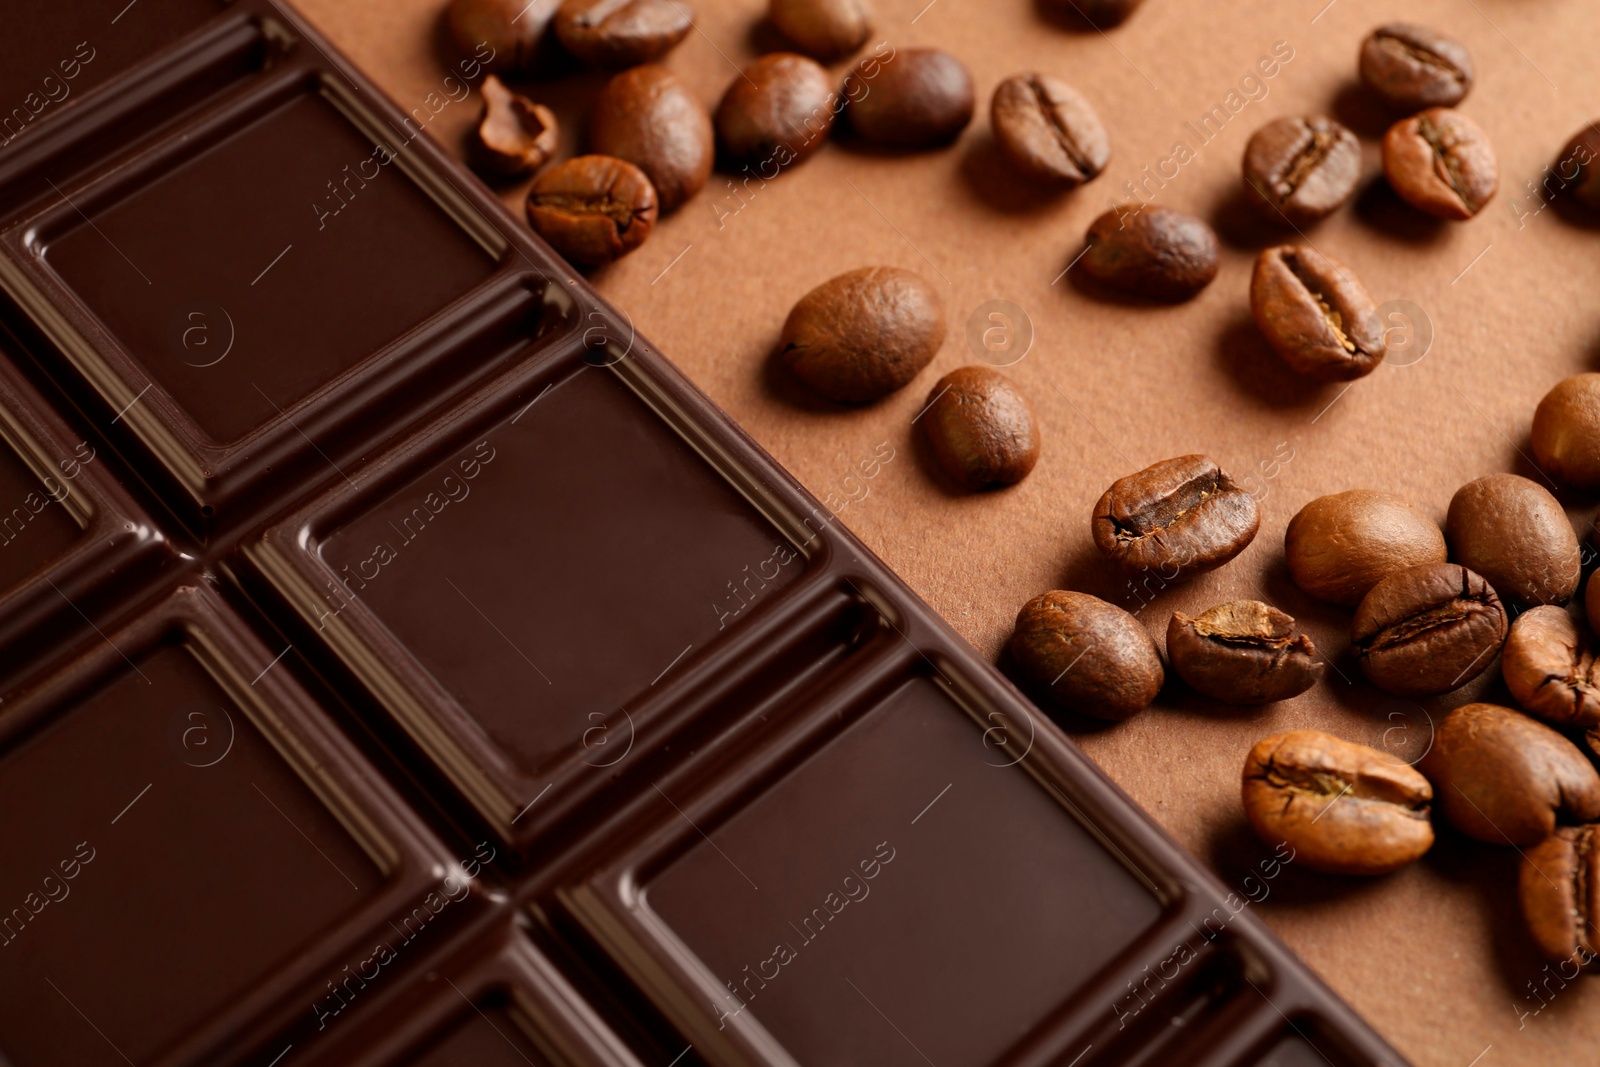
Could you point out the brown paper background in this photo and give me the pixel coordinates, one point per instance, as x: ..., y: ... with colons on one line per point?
x: 1434, y: 956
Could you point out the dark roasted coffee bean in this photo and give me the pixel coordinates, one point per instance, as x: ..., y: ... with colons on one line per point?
x: 647, y: 116
x: 1506, y: 779
x: 1177, y: 518
x: 1048, y: 129
x: 1428, y: 629
x: 1513, y: 532
x: 823, y: 29
x: 1549, y: 666
x: 514, y: 135
x: 1413, y: 67
x: 980, y: 428
x: 862, y: 335
x: 1577, y: 167
x: 1101, y: 14
x: 1244, y: 652
x: 776, y: 112
x: 1151, y: 252
x: 1301, y: 170
x: 915, y: 98
x: 1316, y: 314
x: 1559, y: 885
x: 1442, y: 163
x: 593, y: 209
x: 506, y: 35
x: 1344, y: 808
x: 1566, y: 432
x: 1085, y: 656
x: 620, y: 33
x: 1338, y: 547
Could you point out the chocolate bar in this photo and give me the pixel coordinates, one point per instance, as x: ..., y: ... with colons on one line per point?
x: 403, y: 663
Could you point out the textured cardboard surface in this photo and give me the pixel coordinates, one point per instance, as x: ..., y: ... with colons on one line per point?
x: 1435, y: 955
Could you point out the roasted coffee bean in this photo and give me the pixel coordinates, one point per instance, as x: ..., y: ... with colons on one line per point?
x: 1338, y: 547
x: 1442, y: 163
x: 1048, y: 129
x: 862, y: 335
x: 514, y: 135
x: 1577, y: 168
x: 1151, y: 252
x: 620, y: 33
x: 1549, y: 666
x: 823, y: 29
x: 1344, y: 808
x: 647, y: 116
x: 1513, y: 532
x: 1085, y: 656
x: 1506, y: 779
x: 593, y: 209
x: 1559, y: 885
x: 1316, y: 314
x: 1177, y: 518
x: 1101, y: 14
x: 1412, y: 67
x: 1566, y: 432
x: 916, y: 98
x: 1244, y: 652
x: 980, y: 428
x: 505, y: 35
x: 1428, y: 629
x: 1301, y: 170
x: 777, y: 112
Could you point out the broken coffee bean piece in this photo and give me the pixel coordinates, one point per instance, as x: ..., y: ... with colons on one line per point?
x: 1086, y: 656
x: 1301, y: 170
x: 1427, y: 630
x: 1316, y: 314
x: 1548, y: 664
x: 514, y: 135
x: 1243, y: 652
x: 1175, y: 519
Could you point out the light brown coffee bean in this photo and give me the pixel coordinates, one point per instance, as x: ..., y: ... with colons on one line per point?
x: 1243, y: 652
x: 514, y: 135
x: 1177, y: 518
x: 1566, y: 432
x: 1151, y: 252
x: 778, y: 111
x: 1559, y: 886
x: 1338, y: 547
x: 1301, y: 170
x: 647, y: 116
x: 1083, y: 655
x: 1513, y: 532
x: 1442, y: 163
x: 1344, y: 808
x: 980, y: 428
x: 593, y: 209
x: 1412, y: 67
x: 1048, y: 129
x: 1549, y: 666
x: 1505, y: 779
x: 823, y: 29
x: 1427, y: 630
x: 1316, y: 314
x: 620, y: 33
x: 916, y: 98
x: 860, y: 336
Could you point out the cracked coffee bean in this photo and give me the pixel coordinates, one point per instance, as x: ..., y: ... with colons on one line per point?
x: 823, y: 29
x: 1085, y: 656
x: 1412, y: 67
x: 1442, y: 163
x: 514, y: 135
x: 860, y: 336
x: 620, y: 33
x: 514, y: 31
x: 1048, y: 129
x: 1338, y: 547
x: 1559, y: 886
x: 1508, y: 780
x: 1549, y: 666
x: 1427, y: 630
x: 1244, y: 652
x: 1177, y: 518
x: 1316, y: 314
x: 1577, y: 167
x: 593, y: 209
x: 916, y: 98
x: 980, y: 428
x: 1513, y: 532
x: 1301, y: 170
x: 647, y: 116
x: 1566, y: 432
x: 1151, y: 252
x: 1343, y: 807
x: 778, y: 111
